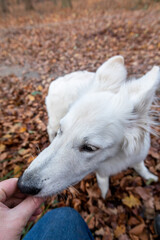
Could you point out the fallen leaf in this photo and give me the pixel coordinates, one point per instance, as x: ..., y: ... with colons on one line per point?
x: 143, y: 192
x: 23, y: 151
x: 133, y: 221
x: 119, y: 231
x: 76, y: 204
x: 3, y: 156
x: 137, y: 229
x: 131, y: 201
x: 157, y: 203
x: 2, y: 147
x: 100, y: 232
x: 17, y: 171
x: 94, y: 192
x: 40, y: 88
x: 7, y: 136
x: 108, y: 234
x: 123, y: 237
x: 149, y: 208
x: 22, y: 129
x: 30, y: 159
x: 31, y: 98
x: 90, y: 220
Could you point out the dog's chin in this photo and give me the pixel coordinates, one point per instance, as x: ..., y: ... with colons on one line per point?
x: 49, y: 193
x: 45, y: 194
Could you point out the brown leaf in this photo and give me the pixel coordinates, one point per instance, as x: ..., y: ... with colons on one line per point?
x: 39, y: 88
x: 90, y: 220
x: 134, y: 237
x: 157, y: 203
x: 22, y: 129
x: 100, y: 232
x: 108, y: 234
x: 3, y: 156
x: 133, y: 221
x: 144, y: 236
x: 149, y: 208
x: 153, y: 152
x: 76, y: 204
x: 137, y: 230
x: 17, y: 171
x: 30, y: 159
x: 94, y: 192
x: 2, y: 147
x: 7, y: 136
x: 31, y: 98
x: 144, y: 193
x: 123, y: 237
x: 23, y: 151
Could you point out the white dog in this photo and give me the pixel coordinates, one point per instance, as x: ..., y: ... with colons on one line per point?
x: 98, y: 122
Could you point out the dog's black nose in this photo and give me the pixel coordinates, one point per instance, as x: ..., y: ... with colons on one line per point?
x: 27, y: 188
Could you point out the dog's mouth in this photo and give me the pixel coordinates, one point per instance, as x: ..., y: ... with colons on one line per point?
x: 29, y: 187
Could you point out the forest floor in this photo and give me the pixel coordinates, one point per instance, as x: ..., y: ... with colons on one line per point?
x: 34, y: 51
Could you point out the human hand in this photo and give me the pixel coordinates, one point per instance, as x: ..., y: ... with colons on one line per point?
x: 15, y: 210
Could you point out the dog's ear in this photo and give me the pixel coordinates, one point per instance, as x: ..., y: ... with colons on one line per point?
x: 142, y: 90
x: 111, y: 74
x: 141, y: 93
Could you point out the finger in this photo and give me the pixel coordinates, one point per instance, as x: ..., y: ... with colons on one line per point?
x: 7, y: 188
x: 20, y: 195
x: 27, y: 208
x: 12, y: 202
x: 37, y: 212
x: 36, y: 215
x: 32, y: 219
x: 3, y: 206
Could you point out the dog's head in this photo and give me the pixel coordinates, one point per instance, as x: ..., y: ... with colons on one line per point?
x: 110, y: 119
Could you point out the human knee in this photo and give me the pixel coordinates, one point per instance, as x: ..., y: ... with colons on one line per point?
x: 65, y: 213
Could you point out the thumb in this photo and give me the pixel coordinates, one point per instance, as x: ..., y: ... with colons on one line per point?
x: 27, y: 207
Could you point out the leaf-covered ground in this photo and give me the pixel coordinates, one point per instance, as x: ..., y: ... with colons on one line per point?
x: 33, y: 52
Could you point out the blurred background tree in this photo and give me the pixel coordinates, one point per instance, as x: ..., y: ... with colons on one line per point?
x: 55, y: 2
x: 3, y: 5
x: 66, y: 3
x: 28, y: 5
x: 41, y: 6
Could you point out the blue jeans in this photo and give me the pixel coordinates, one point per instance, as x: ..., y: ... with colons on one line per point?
x: 60, y: 224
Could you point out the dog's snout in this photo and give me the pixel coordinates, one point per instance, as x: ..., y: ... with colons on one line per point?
x: 27, y: 188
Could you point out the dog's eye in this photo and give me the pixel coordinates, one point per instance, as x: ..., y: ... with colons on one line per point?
x: 88, y: 148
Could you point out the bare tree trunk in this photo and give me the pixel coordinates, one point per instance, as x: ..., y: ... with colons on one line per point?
x: 3, y: 5
x: 70, y: 3
x: 55, y: 2
x: 28, y: 4
x: 67, y: 3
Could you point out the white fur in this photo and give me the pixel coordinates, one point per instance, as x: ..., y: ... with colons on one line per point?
x: 102, y: 111
x: 62, y: 93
